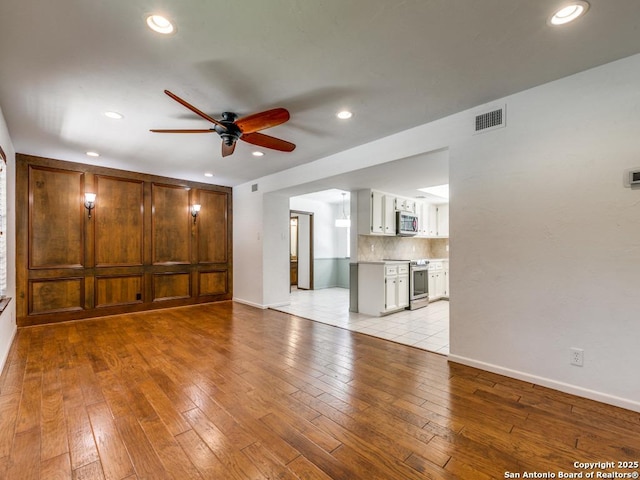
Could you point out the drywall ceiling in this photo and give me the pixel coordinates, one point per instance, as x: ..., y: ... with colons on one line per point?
x: 394, y: 64
x: 403, y: 177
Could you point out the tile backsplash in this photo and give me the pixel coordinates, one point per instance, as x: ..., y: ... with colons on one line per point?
x: 373, y: 248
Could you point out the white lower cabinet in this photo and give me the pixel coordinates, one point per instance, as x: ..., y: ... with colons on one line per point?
x: 445, y: 268
x: 390, y: 292
x: 383, y: 287
x: 403, y: 290
x: 438, y: 279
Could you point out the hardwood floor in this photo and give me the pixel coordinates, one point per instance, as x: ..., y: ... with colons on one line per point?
x: 227, y: 391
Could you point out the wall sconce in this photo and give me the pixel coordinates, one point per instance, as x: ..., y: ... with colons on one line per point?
x: 195, y: 209
x: 90, y: 202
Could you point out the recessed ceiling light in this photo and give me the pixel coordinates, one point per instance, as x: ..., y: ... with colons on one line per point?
x: 93, y: 154
x: 208, y: 174
x: 115, y: 115
x: 569, y: 12
x: 160, y: 24
x: 344, y: 115
x: 257, y: 154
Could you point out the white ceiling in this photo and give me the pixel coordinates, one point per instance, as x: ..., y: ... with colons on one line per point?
x: 395, y: 64
x: 401, y: 177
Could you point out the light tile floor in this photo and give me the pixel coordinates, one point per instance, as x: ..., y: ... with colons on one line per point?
x: 426, y: 328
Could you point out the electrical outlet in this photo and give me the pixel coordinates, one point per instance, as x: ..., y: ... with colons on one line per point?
x: 577, y: 357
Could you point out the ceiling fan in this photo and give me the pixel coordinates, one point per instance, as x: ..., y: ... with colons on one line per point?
x: 231, y: 128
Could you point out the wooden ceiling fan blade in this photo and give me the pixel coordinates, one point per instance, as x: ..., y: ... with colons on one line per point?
x: 199, y: 130
x: 228, y: 149
x: 260, y: 121
x: 267, y: 141
x: 194, y: 109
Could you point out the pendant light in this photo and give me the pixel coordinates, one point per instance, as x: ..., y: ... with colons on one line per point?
x: 343, y: 222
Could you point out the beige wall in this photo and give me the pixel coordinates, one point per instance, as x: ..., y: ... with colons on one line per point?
x: 372, y: 248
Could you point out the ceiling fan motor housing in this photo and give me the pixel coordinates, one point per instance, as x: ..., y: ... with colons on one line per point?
x: 229, y: 131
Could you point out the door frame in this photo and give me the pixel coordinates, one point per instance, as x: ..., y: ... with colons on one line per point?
x: 297, y: 213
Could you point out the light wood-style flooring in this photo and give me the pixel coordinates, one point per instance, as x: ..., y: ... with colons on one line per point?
x: 226, y: 391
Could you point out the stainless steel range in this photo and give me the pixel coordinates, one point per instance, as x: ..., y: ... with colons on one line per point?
x: 418, y: 283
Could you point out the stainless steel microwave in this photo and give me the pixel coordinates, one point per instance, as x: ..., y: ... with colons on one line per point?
x: 406, y: 224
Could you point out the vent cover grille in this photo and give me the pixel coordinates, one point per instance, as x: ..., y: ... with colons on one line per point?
x: 490, y: 120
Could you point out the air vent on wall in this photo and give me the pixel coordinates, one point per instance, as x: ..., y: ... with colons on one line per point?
x: 485, y: 122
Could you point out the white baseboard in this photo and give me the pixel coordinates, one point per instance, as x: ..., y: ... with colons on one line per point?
x: 547, y: 382
x: 251, y: 304
x: 259, y: 305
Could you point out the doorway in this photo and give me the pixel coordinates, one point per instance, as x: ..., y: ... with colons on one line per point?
x: 301, y: 250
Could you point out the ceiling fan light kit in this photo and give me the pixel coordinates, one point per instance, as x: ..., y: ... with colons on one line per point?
x: 231, y: 128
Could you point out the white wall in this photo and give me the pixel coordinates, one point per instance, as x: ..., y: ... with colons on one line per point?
x: 247, y: 246
x: 545, y: 240
x: 8, y: 317
x: 329, y: 241
x: 323, y: 227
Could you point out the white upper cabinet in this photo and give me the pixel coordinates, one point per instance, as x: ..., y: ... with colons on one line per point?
x: 406, y: 205
x: 377, y: 214
x: 376, y: 206
x: 438, y: 220
x: 422, y: 213
x: 443, y: 220
x: 389, y: 203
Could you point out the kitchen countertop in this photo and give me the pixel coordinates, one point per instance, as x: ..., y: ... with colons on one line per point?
x: 382, y: 262
x: 385, y: 262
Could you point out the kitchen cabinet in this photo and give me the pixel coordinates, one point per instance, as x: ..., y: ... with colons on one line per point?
x: 396, y: 287
x: 376, y: 213
x: 383, y: 287
x: 422, y: 212
x: 389, y: 205
x: 438, y: 279
x: 406, y: 205
x: 445, y: 270
x: 403, y: 287
x: 443, y: 220
x: 391, y: 291
x: 438, y: 220
x: 432, y: 220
